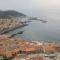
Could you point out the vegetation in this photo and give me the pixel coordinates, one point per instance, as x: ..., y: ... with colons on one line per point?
x: 10, y: 13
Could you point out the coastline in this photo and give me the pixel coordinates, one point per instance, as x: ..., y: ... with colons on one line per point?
x: 14, y: 49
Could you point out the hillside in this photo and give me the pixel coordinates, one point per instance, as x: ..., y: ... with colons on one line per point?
x: 10, y: 13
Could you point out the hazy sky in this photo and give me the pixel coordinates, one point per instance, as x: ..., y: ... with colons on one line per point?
x: 15, y: 4
x: 31, y: 6
x: 24, y: 4
x: 46, y: 3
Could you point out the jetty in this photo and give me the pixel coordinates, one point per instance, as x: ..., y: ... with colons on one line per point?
x: 20, y: 32
x: 11, y: 29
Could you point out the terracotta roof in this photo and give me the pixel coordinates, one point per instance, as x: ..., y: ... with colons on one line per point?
x: 10, y: 46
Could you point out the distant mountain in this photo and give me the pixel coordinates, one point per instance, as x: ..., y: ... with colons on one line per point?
x: 10, y: 13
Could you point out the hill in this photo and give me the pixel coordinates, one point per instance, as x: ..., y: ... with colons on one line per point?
x: 10, y: 13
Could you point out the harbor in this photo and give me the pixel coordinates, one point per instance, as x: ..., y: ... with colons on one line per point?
x: 21, y: 40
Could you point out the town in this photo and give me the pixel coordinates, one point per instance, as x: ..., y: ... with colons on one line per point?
x: 22, y: 49
x: 29, y: 29
x: 13, y: 49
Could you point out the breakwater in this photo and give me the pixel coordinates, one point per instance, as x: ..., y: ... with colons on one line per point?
x: 11, y: 29
x: 7, y: 25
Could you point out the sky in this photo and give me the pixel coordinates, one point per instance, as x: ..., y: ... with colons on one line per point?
x: 46, y: 3
x: 32, y: 7
x: 25, y: 4
x: 14, y: 4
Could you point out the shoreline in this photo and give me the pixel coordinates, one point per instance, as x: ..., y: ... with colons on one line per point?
x: 12, y: 47
x: 20, y: 26
x: 7, y: 25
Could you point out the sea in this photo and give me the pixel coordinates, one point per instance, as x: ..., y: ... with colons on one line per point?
x: 39, y: 31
